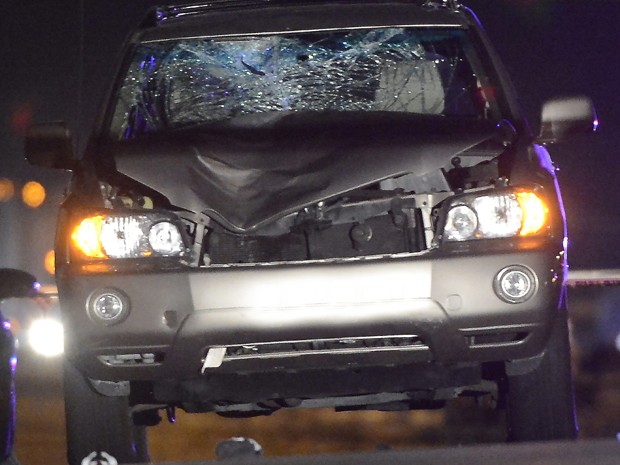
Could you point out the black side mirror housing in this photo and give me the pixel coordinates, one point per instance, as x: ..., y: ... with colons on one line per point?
x: 17, y: 283
x: 565, y: 117
x: 49, y: 145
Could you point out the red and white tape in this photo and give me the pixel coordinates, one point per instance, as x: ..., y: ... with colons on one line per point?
x: 582, y: 278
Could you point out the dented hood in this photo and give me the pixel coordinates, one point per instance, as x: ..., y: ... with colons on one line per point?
x: 252, y: 170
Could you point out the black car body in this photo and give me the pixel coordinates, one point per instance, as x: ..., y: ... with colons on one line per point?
x: 8, y: 361
x: 301, y: 204
x: 13, y: 283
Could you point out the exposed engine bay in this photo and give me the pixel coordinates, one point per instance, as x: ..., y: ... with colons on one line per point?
x: 392, y: 216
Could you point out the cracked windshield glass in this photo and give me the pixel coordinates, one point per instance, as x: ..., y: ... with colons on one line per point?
x: 172, y: 84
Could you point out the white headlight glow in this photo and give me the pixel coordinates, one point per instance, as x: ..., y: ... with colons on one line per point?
x: 46, y: 337
x: 122, y: 236
x: 498, y: 215
x: 462, y: 223
x: 165, y: 238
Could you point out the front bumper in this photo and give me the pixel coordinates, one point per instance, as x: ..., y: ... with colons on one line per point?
x: 350, y: 313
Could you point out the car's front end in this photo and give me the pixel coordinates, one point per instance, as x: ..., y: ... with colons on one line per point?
x: 492, y: 298
x: 287, y: 208
x: 372, y: 217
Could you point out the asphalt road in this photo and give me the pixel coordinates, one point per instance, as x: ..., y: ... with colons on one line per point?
x: 556, y: 453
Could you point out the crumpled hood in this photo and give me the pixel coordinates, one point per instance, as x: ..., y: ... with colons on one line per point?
x: 248, y: 172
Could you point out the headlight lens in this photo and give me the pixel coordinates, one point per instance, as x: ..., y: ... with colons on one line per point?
x: 495, y: 216
x: 498, y: 215
x: 125, y: 236
x: 128, y: 236
x: 462, y: 223
x: 165, y: 238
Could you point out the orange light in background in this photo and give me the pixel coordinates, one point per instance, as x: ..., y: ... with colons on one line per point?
x: 50, y: 263
x: 86, y: 237
x: 33, y: 194
x: 7, y: 189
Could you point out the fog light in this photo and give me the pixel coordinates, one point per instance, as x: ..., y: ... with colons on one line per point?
x: 108, y: 306
x: 515, y: 284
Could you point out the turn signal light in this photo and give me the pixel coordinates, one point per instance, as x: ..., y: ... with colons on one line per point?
x: 534, y: 213
x: 86, y: 235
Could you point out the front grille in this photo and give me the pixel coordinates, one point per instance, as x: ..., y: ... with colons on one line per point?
x: 381, y: 235
x: 225, y: 247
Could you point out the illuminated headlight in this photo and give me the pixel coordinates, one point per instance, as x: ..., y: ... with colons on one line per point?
x: 128, y: 236
x: 165, y: 239
x: 495, y: 216
x: 46, y: 337
x: 462, y: 223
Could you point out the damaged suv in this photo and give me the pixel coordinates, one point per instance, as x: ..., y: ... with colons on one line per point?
x: 308, y: 204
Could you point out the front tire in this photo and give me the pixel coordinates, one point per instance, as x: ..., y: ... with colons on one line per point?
x: 541, y: 403
x: 99, y: 428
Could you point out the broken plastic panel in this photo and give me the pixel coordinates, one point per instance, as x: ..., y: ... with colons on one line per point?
x: 174, y: 84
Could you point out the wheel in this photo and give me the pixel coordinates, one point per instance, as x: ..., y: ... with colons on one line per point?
x: 541, y: 403
x: 100, y: 428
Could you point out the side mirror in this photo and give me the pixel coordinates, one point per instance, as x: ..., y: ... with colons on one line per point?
x: 17, y: 283
x: 565, y: 117
x: 49, y: 145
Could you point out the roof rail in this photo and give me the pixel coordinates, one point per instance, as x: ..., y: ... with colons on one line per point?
x: 160, y: 14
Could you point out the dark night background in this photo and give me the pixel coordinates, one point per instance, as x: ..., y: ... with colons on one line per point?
x: 550, y: 47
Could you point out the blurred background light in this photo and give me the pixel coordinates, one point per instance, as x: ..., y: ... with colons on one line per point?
x: 33, y: 194
x: 50, y: 262
x: 46, y: 337
x: 7, y: 189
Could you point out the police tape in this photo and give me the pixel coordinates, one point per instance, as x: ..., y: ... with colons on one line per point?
x: 590, y: 278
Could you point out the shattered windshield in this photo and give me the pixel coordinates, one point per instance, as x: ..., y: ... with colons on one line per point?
x: 174, y: 84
